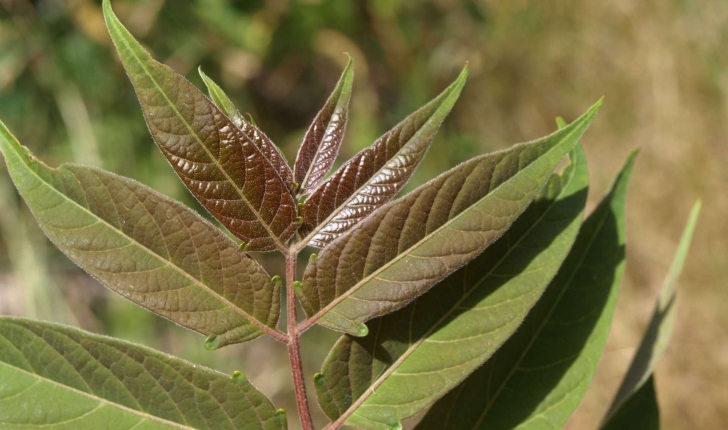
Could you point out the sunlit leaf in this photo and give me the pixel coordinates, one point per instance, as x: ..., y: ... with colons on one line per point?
x: 323, y: 138
x: 150, y: 249
x: 414, y: 356
x: 659, y: 331
x: 539, y: 376
x: 407, y: 246
x: 266, y: 146
x: 57, y: 377
x: 376, y: 174
x: 221, y: 166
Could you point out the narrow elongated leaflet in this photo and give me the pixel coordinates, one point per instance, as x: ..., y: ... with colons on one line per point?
x: 62, y: 378
x: 222, y: 167
x: 376, y: 174
x: 323, y: 138
x: 407, y: 246
x: 540, y: 375
x: 149, y: 248
x: 656, y: 338
x: 266, y: 146
x: 414, y: 356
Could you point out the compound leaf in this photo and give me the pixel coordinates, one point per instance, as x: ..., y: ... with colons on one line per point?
x: 220, y: 165
x: 407, y: 246
x: 415, y: 355
x: 539, y: 376
x: 266, y: 146
x: 657, y: 336
x: 147, y: 247
x: 323, y: 138
x: 376, y: 174
x: 58, y: 377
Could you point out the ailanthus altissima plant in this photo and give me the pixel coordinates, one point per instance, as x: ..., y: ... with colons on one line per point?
x: 482, y: 294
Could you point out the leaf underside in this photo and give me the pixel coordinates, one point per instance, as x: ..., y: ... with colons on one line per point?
x: 407, y: 246
x: 222, y: 167
x: 263, y: 142
x: 57, y: 377
x: 149, y: 248
x: 414, y: 356
x: 539, y: 376
x: 656, y: 338
x: 376, y: 174
x: 322, y: 140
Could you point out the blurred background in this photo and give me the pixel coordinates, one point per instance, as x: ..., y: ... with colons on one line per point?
x: 662, y: 66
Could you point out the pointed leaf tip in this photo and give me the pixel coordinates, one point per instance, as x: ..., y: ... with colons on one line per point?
x: 215, y: 159
x: 654, y: 341
x: 321, y: 143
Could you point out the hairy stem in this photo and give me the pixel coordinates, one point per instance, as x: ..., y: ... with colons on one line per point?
x: 294, y: 345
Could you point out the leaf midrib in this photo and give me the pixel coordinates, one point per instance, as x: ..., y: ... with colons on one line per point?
x: 413, y: 347
x: 241, y: 312
x: 265, y: 225
x: 402, y: 255
x: 99, y: 399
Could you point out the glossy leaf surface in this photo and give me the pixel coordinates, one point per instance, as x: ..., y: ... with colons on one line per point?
x: 376, y: 174
x: 407, y: 246
x: 539, y: 376
x: 150, y: 249
x: 659, y: 330
x: 221, y: 166
x: 266, y: 146
x: 323, y: 138
x: 414, y: 356
x: 639, y: 412
x: 57, y: 377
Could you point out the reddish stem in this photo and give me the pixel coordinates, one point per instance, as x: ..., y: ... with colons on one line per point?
x: 294, y: 345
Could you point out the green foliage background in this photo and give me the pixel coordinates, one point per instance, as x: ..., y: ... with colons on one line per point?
x: 661, y: 64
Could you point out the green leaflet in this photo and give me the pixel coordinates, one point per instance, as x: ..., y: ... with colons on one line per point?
x: 322, y: 140
x: 640, y: 411
x: 376, y: 174
x: 414, y: 356
x: 150, y: 249
x: 57, y: 377
x: 658, y: 333
x: 222, y: 101
x: 266, y: 146
x: 407, y: 246
x: 219, y: 164
x: 539, y: 376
